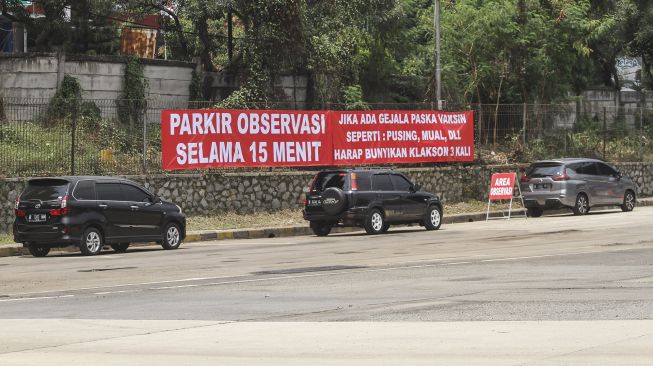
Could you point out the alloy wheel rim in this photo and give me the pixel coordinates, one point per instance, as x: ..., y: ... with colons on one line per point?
x: 435, y: 217
x: 582, y: 204
x: 173, y: 236
x: 630, y: 201
x: 93, y: 241
x: 377, y: 221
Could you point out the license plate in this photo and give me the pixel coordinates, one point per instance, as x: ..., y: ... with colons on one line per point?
x: 314, y: 202
x: 37, y: 218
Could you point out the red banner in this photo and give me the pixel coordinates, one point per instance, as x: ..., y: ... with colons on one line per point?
x: 244, y: 138
x: 502, y: 186
x: 380, y: 137
x: 193, y: 139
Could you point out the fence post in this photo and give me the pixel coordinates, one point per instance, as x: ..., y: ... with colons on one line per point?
x: 605, y: 131
x: 145, y: 142
x: 145, y: 138
x: 524, y: 125
x: 73, y: 126
x: 641, y: 133
x: 479, y: 115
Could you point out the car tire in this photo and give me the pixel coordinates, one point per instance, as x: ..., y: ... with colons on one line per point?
x: 385, y: 228
x: 321, y: 228
x: 91, y: 242
x: 171, y: 237
x: 38, y: 250
x: 433, y: 219
x: 582, y: 205
x: 629, y: 202
x: 534, y: 211
x: 374, y: 222
x: 120, y: 247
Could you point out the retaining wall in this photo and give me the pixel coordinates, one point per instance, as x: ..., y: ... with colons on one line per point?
x: 201, y: 194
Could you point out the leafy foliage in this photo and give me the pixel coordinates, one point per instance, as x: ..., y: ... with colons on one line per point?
x: 132, y: 103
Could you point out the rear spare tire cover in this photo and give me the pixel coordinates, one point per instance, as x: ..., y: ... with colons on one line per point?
x: 333, y: 201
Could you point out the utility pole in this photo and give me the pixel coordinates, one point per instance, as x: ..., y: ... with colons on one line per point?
x: 438, y: 67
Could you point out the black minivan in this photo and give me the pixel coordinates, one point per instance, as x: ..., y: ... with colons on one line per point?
x: 91, y: 212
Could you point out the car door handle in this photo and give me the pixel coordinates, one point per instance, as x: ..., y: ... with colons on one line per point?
x: 102, y: 206
x: 134, y: 208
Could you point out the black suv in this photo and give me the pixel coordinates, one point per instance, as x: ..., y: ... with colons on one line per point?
x: 93, y: 211
x: 370, y: 198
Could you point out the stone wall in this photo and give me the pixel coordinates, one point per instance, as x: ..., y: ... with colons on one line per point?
x: 201, y: 194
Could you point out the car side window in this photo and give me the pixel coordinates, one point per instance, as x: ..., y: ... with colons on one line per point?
x: 401, y: 183
x: 606, y: 170
x: 382, y: 182
x: 109, y: 192
x: 85, y: 190
x: 364, y: 181
x: 135, y: 194
x: 588, y: 168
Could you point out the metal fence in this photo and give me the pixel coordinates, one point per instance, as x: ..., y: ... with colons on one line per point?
x: 46, y: 137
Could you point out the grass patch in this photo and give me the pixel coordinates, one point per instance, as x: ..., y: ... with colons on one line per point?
x: 6, y: 239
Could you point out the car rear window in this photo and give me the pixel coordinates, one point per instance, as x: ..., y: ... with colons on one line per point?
x: 544, y: 170
x: 45, y: 190
x: 326, y: 180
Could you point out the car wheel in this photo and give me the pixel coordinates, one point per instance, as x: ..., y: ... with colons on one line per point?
x: 38, y: 250
x: 171, y: 237
x: 385, y: 228
x: 629, y: 202
x: 320, y: 228
x: 535, y: 212
x: 433, y: 218
x: 582, y: 205
x: 120, y: 247
x: 92, y: 242
x: 374, y: 222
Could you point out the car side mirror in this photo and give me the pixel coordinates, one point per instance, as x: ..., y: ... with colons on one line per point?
x: 155, y: 199
x: 416, y: 187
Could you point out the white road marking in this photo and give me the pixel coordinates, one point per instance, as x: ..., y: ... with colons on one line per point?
x: 36, y: 298
x: 113, y: 292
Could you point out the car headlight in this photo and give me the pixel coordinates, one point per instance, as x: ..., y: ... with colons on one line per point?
x: 180, y: 211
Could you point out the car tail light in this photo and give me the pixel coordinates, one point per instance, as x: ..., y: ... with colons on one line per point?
x: 59, y: 211
x: 561, y: 176
x: 354, y: 184
x: 525, y: 179
x: 305, y: 202
x: 64, y: 202
x: 20, y: 213
x: 311, y: 184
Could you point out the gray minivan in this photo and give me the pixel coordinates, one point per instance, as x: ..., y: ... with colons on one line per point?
x: 576, y: 183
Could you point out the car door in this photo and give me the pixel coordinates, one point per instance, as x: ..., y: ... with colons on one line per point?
x: 413, y: 205
x: 145, y: 216
x: 111, y: 203
x: 611, y: 191
x: 592, y: 182
x: 387, y: 196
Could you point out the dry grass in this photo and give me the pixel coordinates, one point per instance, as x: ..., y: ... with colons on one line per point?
x: 292, y: 217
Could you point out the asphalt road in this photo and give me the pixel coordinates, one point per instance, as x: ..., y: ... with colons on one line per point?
x: 544, y: 289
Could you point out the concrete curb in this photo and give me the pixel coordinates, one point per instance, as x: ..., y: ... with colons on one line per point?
x: 289, y: 231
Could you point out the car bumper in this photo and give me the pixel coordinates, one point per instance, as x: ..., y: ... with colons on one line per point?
x: 547, y: 201
x: 350, y: 216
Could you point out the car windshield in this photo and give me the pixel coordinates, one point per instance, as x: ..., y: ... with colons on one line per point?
x: 326, y: 180
x: 544, y: 170
x: 45, y: 190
